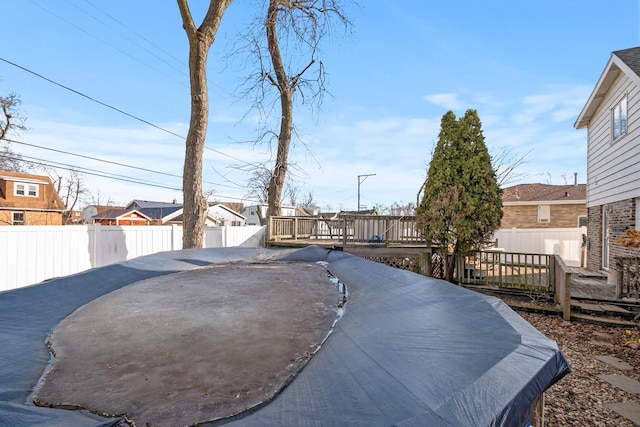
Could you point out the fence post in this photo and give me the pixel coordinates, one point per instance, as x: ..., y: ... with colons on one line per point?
x: 96, y: 245
x: 174, y: 237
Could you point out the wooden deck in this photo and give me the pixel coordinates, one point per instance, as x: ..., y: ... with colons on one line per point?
x: 360, y: 249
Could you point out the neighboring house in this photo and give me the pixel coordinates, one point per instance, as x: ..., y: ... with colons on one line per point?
x: 90, y: 211
x: 257, y: 214
x: 171, y: 214
x: 612, y: 119
x: 122, y: 217
x: 161, y: 213
x: 224, y: 215
x: 27, y: 199
x: 369, y: 212
x: 72, y: 217
x: 307, y: 212
x: 544, y: 206
x: 142, y: 204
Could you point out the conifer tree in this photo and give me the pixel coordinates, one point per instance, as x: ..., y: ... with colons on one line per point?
x: 462, y: 204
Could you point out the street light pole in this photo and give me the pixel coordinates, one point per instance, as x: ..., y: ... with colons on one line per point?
x: 360, y: 181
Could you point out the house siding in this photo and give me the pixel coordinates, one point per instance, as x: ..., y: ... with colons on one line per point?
x: 613, y: 168
x: 526, y: 216
x: 44, y: 209
x: 31, y: 217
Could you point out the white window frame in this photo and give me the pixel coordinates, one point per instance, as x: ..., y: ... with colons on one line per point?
x: 13, y: 218
x: 619, y: 119
x: 25, y: 189
x: 544, y: 213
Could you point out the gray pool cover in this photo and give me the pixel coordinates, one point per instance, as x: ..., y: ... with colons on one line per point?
x: 408, y: 351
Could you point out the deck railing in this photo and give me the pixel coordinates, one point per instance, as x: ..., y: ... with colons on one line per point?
x: 531, y: 272
x: 348, y: 229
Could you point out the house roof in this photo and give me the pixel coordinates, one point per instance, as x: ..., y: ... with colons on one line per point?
x: 625, y: 61
x: 103, y: 208
x: 53, y: 202
x: 119, y: 213
x: 226, y: 208
x: 524, y: 193
x: 361, y: 212
x: 160, y: 212
x: 150, y: 204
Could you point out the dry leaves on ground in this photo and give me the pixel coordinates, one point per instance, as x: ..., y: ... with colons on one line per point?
x: 579, y: 398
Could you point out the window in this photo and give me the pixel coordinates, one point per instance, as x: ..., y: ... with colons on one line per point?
x: 619, y: 118
x: 544, y: 213
x: 17, y: 218
x: 24, y: 189
x: 582, y: 221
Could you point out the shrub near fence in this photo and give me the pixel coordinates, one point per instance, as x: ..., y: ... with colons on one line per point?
x: 31, y: 254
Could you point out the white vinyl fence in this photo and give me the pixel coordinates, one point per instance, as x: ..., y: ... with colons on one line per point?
x: 566, y: 242
x: 31, y: 254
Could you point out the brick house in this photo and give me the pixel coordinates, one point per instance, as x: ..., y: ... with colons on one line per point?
x: 544, y: 206
x: 27, y: 199
x: 612, y: 119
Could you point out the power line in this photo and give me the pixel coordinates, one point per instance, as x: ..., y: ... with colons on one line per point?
x: 102, y: 41
x: 119, y: 110
x: 42, y: 162
x: 92, y: 158
x: 90, y: 98
x: 111, y: 162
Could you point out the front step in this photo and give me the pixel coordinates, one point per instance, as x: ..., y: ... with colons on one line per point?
x: 601, y: 308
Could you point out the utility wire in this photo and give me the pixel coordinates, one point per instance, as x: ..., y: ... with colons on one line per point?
x: 41, y: 162
x: 92, y: 158
x: 91, y: 99
x: 181, y: 71
x: 103, y: 41
x: 120, y: 111
x: 111, y: 162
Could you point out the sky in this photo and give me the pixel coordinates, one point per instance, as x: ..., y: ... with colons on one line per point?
x: 105, y: 90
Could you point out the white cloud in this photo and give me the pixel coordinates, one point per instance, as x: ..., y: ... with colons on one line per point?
x: 448, y: 101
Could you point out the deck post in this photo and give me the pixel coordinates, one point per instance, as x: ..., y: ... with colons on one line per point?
x: 424, y: 264
x: 344, y: 230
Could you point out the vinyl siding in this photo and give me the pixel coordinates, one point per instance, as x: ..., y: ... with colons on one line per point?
x: 613, y: 169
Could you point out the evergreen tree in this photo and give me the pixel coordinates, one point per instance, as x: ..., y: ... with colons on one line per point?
x: 462, y: 204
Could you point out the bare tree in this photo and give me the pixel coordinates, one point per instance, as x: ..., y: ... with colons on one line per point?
x: 200, y: 40
x: 10, y: 120
x: 506, y: 163
x: 294, y: 31
x: 72, y: 191
x: 258, y: 184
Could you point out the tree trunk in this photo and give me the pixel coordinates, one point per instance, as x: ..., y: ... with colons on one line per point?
x: 450, y: 266
x: 276, y: 182
x: 200, y: 40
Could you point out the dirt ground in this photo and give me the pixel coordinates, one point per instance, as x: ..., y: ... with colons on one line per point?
x: 191, y: 347
x: 580, y: 398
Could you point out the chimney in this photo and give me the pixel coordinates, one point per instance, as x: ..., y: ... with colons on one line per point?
x: 575, y: 178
